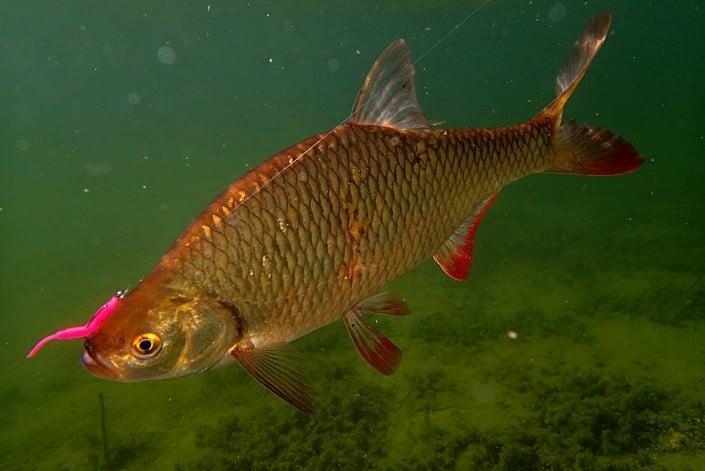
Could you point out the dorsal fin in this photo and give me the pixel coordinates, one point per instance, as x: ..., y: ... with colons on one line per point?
x: 388, y: 96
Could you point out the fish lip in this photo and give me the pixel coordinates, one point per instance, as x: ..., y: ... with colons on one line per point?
x: 96, y: 366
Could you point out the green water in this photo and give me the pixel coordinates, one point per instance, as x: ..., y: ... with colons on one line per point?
x: 109, y: 149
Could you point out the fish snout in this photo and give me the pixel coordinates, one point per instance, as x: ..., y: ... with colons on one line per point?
x: 94, y: 364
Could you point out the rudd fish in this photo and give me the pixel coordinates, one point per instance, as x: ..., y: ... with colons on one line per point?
x: 313, y: 234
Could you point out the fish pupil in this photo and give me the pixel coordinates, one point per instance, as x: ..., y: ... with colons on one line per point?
x: 145, y: 345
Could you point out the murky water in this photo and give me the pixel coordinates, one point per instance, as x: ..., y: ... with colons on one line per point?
x: 577, y: 342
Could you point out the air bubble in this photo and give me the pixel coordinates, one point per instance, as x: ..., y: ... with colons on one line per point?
x: 133, y: 98
x: 557, y: 13
x: 166, y: 55
x: 22, y: 145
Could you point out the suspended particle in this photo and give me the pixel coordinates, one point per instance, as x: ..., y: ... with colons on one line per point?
x: 22, y: 145
x: 134, y: 98
x: 557, y: 13
x: 166, y: 55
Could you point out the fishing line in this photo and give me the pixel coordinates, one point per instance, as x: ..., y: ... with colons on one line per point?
x: 328, y: 133
x: 363, y: 105
x: 452, y: 30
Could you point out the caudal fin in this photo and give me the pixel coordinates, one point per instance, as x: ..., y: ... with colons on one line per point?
x: 578, y: 61
x: 583, y: 149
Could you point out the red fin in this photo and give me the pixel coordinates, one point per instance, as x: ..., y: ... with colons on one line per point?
x: 377, y: 350
x: 384, y: 303
x: 585, y: 150
x: 455, y: 256
x: 581, y: 149
x: 275, y: 369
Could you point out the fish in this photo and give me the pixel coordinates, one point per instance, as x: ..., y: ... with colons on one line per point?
x: 313, y: 235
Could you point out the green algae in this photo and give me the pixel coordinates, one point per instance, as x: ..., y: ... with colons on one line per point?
x: 345, y: 434
x: 588, y: 421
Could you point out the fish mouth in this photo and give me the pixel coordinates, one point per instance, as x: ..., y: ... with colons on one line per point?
x: 92, y: 362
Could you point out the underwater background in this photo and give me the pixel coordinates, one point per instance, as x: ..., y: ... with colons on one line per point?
x: 576, y: 343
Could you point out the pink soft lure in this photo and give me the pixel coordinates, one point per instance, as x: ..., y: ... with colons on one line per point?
x: 80, y: 332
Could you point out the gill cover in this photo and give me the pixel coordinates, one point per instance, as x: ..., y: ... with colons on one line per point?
x: 161, y: 333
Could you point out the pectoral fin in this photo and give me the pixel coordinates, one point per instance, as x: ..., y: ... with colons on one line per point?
x: 455, y: 256
x: 376, y: 349
x: 275, y: 368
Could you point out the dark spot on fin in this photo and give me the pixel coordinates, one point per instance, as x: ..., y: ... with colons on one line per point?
x: 276, y: 369
x: 455, y: 256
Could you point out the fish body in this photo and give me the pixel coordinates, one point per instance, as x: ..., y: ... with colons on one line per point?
x: 297, y: 242
x: 314, y: 233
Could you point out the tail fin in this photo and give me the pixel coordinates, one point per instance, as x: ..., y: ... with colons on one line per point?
x: 582, y: 149
x: 578, y: 61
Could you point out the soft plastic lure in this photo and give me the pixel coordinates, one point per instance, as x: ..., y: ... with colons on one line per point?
x: 84, y: 331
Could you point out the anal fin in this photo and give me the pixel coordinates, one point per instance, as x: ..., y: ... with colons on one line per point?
x: 455, y: 256
x: 275, y: 368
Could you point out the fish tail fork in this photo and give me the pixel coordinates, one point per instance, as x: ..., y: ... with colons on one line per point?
x: 577, y: 148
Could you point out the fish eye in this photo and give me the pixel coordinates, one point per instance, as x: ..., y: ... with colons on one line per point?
x: 146, y: 345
